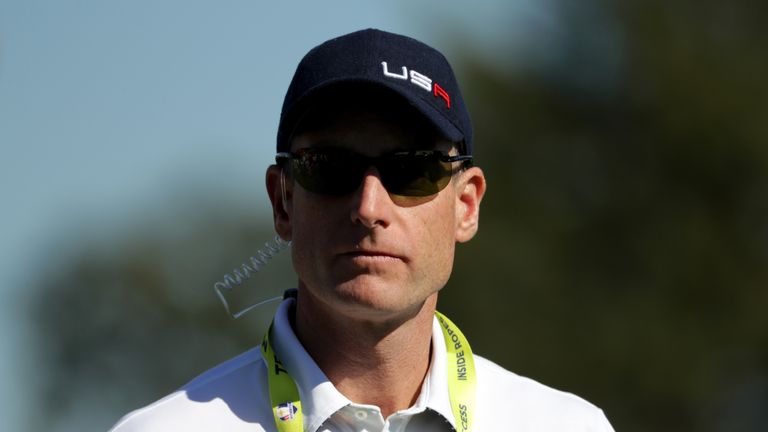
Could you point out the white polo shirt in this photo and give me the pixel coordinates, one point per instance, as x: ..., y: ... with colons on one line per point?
x: 234, y: 397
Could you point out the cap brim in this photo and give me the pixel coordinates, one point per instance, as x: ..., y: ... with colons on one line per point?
x: 444, y: 126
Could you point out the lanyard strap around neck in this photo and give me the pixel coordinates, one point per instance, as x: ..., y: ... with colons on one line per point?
x: 286, y: 403
x: 461, y: 374
x: 283, y: 394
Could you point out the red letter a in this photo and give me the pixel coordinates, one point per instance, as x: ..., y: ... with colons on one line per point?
x: 438, y: 91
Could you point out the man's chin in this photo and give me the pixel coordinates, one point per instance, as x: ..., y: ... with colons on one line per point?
x: 375, y: 300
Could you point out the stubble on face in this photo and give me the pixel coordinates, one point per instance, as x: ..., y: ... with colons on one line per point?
x: 367, y: 254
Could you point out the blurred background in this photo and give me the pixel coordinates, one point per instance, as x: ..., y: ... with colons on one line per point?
x: 623, y: 250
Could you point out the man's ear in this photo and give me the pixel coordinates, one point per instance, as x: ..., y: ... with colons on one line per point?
x: 280, y: 191
x: 470, y: 188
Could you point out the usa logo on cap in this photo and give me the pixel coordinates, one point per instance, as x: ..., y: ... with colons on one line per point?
x: 286, y: 411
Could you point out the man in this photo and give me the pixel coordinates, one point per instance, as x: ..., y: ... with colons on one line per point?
x: 374, y: 186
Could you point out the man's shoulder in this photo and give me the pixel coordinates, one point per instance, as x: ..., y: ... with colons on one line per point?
x: 226, y: 396
x: 513, y: 400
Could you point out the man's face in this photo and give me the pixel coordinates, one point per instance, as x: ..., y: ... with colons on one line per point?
x: 369, y: 254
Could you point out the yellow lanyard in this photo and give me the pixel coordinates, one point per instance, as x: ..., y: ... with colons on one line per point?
x: 286, y: 404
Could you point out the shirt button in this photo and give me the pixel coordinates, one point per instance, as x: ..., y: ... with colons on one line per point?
x: 361, y: 415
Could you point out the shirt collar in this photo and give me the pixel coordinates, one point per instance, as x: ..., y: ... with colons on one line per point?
x: 320, y: 399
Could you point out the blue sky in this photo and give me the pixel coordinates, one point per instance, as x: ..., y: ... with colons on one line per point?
x: 110, y: 110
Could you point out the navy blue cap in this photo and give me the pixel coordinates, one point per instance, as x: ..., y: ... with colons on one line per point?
x: 412, y: 69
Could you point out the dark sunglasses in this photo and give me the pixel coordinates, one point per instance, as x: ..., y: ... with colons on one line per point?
x: 336, y: 171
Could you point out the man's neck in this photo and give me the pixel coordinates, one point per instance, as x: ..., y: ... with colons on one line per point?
x: 375, y: 363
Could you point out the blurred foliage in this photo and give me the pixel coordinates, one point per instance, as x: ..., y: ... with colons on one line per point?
x: 622, y: 256
x: 623, y: 253
x: 124, y: 323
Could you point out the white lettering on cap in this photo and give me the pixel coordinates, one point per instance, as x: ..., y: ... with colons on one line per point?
x: 420, y: 80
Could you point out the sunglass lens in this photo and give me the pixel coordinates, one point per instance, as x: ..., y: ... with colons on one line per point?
x: 328, y: 171
x: 415, y: 174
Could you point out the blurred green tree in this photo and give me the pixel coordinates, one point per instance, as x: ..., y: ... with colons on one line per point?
x: 123, y: 323
x: 623, y: 253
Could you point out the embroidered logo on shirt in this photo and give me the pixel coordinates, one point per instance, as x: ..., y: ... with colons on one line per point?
x: 286, y: 411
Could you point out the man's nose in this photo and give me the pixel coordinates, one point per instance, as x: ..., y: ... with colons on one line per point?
x: 372, y: 203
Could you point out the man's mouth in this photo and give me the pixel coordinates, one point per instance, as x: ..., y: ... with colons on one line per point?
x: 373, y: 256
